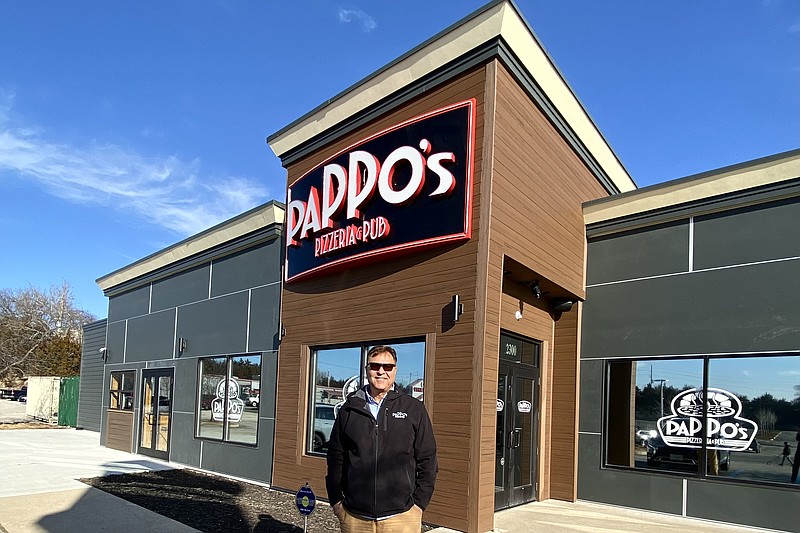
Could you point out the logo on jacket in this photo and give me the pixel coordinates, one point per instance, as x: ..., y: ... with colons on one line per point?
x: 400, y: 414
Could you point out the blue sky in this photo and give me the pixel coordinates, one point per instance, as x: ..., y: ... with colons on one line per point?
x: 128, y: 126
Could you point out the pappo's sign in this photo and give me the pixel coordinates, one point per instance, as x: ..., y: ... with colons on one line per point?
x: 725, y: 428
x: 404, y: 188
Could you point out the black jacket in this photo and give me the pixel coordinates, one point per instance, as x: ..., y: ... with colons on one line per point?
x: 384, y: 467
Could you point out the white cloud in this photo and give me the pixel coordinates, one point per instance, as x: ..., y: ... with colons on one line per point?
x: 167, y: 191
x: 367, y: 23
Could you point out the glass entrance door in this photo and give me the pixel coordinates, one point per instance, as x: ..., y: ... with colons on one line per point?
x: 156, y: 413
x: 517, y: 416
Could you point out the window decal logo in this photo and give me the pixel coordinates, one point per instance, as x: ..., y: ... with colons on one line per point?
x: 524, y: 406
x: 235, y: 405
x: 726, y: 429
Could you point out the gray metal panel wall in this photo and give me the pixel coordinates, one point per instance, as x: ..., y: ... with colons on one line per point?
x: 115, y: 342
x: 183, y: 288
x: 624, y: 487
x: 757, y: 506
x: 242, y: 461
x: 253, y: 267
x: 216, y: 326
x: 265, y: 318
x: 737, y: 293
x: 129, y: 304
x: 749, y: 234
x: 151, y: 337
x: 241, y: 317
x: 652, y: 251
x: 750, y: 308
x: 90, y: 395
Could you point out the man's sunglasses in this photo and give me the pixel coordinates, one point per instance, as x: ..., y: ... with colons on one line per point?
x: 388, y: 367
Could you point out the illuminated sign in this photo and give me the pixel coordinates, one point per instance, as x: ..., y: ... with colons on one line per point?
x: 725, y: 428
x: 404, y: 188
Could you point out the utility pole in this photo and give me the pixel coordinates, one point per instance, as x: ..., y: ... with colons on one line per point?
x: 662, y: 381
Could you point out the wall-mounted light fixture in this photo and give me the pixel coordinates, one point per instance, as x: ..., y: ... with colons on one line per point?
x: 458, y: 307
x: 181, y: 346
x: 103, y: 353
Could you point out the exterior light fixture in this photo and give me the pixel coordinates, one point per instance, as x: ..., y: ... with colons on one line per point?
x: 458, y: 307
x: 562, y: 305
x: 181, y: 346
x: 536, y: 290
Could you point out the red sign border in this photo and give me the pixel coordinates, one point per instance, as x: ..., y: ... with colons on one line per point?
x: 404, y: 247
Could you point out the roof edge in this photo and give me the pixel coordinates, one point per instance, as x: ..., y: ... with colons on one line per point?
x: 726, y: 180
x: 262, y: 216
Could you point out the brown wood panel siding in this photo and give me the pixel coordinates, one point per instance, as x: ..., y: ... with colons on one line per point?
x: 119, y: 430
x: 401, y: 297
x: 564, y: 426
x: 538, y: 186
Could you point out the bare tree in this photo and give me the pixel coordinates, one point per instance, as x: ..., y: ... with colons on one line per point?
x: 31, y: 320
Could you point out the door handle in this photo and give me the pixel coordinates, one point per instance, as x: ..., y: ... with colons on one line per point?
x: 516, y: 437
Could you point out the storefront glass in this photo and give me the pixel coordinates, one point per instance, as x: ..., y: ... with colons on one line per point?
x: 121, y: 393
x: 229, y: 391
x: 656, y: 412
x: 339, y: 371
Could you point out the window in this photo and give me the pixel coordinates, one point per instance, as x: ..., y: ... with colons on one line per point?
x: 337, y: 372
x: 229, y: 390
x: 122, y: 385
x: 656, y: 412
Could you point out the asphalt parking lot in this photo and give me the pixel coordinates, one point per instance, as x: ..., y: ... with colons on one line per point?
x: 12, y: 412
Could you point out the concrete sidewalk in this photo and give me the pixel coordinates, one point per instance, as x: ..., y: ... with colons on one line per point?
x: 39, y: 493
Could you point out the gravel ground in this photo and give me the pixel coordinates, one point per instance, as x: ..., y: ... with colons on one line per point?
x: 215, y: 504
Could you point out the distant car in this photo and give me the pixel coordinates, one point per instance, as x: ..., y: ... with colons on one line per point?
x: 23, y: 398
x: 252, y: 401
x: 659, y: 454
x: 754, y: 447
x: 644, y: 435
x: 324, y: 417
x: 20, y: 393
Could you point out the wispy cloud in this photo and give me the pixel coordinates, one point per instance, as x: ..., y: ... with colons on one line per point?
x: 176, y: 194
x: 790, y: 373
x: 794, y: 28
x: 366, y: 22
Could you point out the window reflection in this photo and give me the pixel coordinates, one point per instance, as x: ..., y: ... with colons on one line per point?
x: 656, y: 410
x: 229, y: 398
x: 339, y: 371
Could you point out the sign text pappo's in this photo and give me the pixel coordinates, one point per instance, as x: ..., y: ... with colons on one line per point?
x: 406, y: 187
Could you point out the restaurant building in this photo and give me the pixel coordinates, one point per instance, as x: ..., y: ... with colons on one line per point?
x: 461, y: 205
x: 437, y: 206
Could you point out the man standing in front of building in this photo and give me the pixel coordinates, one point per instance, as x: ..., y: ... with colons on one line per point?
x: 381, y: 455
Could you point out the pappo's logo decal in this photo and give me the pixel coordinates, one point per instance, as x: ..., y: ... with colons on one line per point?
x: 726, y: 429
x: 406, y: 187
x: 235, y: 405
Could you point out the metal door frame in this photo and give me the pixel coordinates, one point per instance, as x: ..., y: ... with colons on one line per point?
x: 509, y: 495
x: 155, y: 373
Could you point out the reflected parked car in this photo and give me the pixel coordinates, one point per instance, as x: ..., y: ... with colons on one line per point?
x: 20, y: 393
x: 644, y: 435
x: 754, y: 447
x: 324, y: 417
x: 661, y: 454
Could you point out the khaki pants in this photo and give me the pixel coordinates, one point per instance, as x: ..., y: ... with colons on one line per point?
x: 408, y: 522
